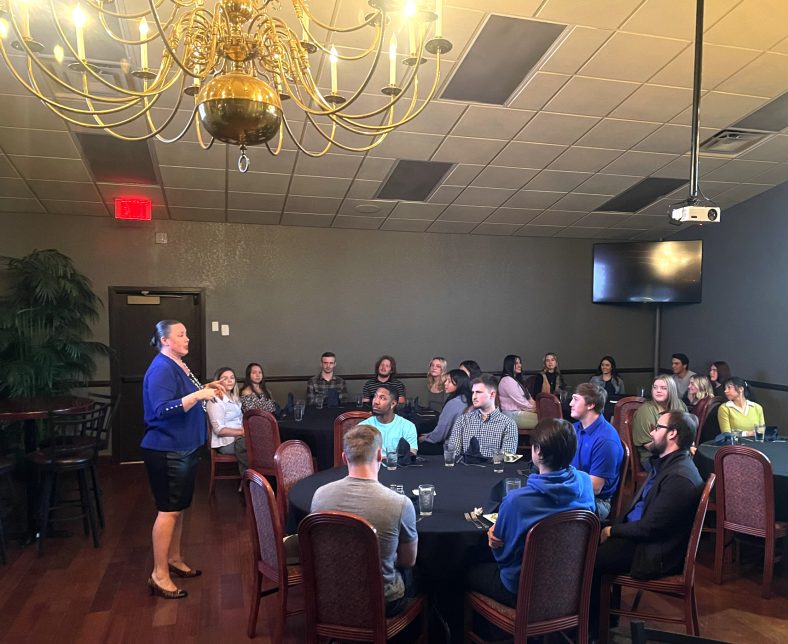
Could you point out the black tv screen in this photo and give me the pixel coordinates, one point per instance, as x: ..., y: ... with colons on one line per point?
x: 667, y: 271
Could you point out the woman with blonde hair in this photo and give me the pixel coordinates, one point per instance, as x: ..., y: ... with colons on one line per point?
x: 549, y: 380
x: 664, y: 398
x: 226, y: 419
x: 699, y: 387
x: 436, y: 384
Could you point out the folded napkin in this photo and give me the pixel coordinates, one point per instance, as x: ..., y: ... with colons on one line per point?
x: 404, y: 455
x: 332, y: 398
x: 772, y: 433
x: 473, y: 454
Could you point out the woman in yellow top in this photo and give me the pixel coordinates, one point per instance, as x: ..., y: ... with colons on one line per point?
x: 739, y: 412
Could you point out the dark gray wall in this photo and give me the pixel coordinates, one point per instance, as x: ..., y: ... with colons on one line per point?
x: 745, y: 305
x: 290, y: 293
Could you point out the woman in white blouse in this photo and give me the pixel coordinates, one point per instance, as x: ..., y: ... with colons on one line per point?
x: 226, y: 419
x: 513, y: 397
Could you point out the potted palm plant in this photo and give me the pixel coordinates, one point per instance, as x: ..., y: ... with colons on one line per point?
x: 46, y: 310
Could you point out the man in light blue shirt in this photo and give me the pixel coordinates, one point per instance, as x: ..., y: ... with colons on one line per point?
x: 391, y: 426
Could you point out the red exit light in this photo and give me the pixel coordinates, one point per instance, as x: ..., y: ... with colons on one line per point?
x: 132, y: 208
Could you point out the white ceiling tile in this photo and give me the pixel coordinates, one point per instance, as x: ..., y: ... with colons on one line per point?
x: 590, y: 96
x: 767, y: 76
x: 776, y: 174
x: 502, y: 177
x: 437, y: 118
x: 533, y: 199
x: 456, y: 227
x: 740, y: 193
x: 475, y: 214
x: 719, y: 63
x: 638, y: 163
x: 660, y: 208
x: 562, y: 129
x: 580, y: 202
x: 194, y: 178
x: 26, y: 142
x: 518, y: 216
x: 654, y: 103
x: 191, y: 155
x: 364, y: 223
x: 6, y: 169
x: 459, y: 26
x: 521, y: 154
x: 259, y: 182
x: 588, y: 13
x: 195, y: 198
x: 681, y: 167
x: 781, y: 47
x: 719, y: 110
x: 85, y: 208
x: 407, y: 145
x: 579, y: 232
x: 65, y: 190
x: 27, y: 112
x: 773, y: 149
x: 575, y: 50
x: 615, y: 60
x: 582, y: 159
x: 253, y: 217
x: 601, y: 219
x: 541, y: 87
x: 617, y: 134
x: 445, y: 194
x: 417, y: 210
x: 319, y: 186
x: 674, y: 19
x: 111, y: 191
x: 556, y: 180
x: 488, y: 228
x: 739, y: 170
x: 15, y: 188
x: 557, y: 218
x: 672, y: 139
x: 375, y: 169
x: 406, y: 225
x: 255, y: 201
x: 486, y: 121
x: 349, y: 207
x: 216, y: 215
x: 522, y: 8
x: 260, y: 160
x: 11, y: 204
x: 474, y: 196
x: 755, y: 23
x: 463, y: 174
x: 315, y: 205
x: 330, y: 165
x: 713, y: 189
x: 459, y: 149
x: 607, y: 184
x: 50, y: 169
x: 307, y: 219
x: 632, y: 222
x: 538, y: 231
x: 362, y: 189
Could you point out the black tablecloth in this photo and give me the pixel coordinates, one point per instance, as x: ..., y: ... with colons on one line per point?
x: 317, y: 429
x: 446, y: 539
x: 776, y: 452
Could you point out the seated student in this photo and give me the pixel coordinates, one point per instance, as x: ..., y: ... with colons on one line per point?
x: 225, y: 418
x: 719, y: 372
x: 385, y: 370
x: 472, y: 368
x: 599, y: 451
x: 326, y: 381
x: 679, y: 364
x: 699, y: 387
x: 458, y: 391
x: 607, y: 377
x: 664, y: 397
x: 556, y: 488
x: 739, y: 412
x: 513, y: 397
x: 435, y: 396
x: 549, y: 380
x: 486, y: 422
x: 392, y: 515
x: 391, y: 426
x: 255, y: 394
x: 651, y: 540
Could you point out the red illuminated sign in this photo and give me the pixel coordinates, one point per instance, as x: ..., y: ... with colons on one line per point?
x: 132, y: 208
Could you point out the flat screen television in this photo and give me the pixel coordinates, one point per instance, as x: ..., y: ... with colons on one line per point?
x: 666, y: 271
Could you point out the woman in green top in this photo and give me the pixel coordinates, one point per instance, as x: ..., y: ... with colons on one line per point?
x: 739, y: 412
x: 664, y: 398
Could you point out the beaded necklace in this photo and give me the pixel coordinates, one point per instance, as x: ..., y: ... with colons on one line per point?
x: 196, y: 383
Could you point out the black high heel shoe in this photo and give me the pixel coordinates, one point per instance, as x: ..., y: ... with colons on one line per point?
x: 158, y: 591
x: 184, y: 574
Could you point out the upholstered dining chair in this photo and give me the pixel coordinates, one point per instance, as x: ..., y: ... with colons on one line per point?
x: 342, y: 425
x: 548, y: 406
x: 709, y: 425
x: 701, y: 410
x: 555, y: 581
x: 293, y: 462
x: 623, y: 417
x: 343, y: 584
x: 269, y: 560
x: 681, y: 585
x: 745, y: 505
x: 261, y: 433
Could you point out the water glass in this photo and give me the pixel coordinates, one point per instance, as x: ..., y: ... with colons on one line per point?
x: 511, y: 484
x: 359, y: 401
x: 760, y: 433
x: 426, y: 499
x: 736, y: 436
x: 498, y: 456
x: 391, y: 460
x: 398, y: 488
x: 319, y: 402
x: 298, y: 410
x: 448, y: 454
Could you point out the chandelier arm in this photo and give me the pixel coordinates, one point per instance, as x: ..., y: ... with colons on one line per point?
x: 120, y: 39
x: 98, y: 6
x: 169, y: 119
x: 309, y: 153
x: 369, y: 21
x: 332, y: 141
x: 320, y: 47
x: 155, y: 15
x: 199, y: 132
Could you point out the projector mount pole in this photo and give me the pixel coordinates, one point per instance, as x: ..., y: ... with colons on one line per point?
x: 696, y: 83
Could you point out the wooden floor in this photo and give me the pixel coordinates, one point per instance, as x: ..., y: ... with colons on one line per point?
x: 76, y: 593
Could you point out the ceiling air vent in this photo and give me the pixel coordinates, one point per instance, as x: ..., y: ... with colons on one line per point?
x: 413, y: 180
x: 731, y: 142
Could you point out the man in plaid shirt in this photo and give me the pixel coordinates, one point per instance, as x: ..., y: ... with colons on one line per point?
x: 493, y: 429
x: 320, y: 384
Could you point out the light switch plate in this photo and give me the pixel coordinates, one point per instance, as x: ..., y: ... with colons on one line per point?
x: 225, y: 329
x: 214, y: 326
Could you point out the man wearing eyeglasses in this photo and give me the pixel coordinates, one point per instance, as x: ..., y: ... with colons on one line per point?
x: 651, y: 539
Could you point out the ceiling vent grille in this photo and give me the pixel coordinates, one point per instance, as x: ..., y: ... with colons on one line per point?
x: 732, y: 142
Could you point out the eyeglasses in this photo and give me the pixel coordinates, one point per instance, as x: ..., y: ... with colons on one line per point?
x: 658, y: 426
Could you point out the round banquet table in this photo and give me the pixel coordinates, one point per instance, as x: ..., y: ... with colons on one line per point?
x: 776, y: 452
x: 317, y: 429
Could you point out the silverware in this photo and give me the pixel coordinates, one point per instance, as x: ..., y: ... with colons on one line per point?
x: 469, y: 517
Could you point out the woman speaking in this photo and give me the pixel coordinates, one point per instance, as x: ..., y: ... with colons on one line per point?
x: 174, y: 409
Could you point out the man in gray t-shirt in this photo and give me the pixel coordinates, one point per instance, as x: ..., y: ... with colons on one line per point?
x: 391, y: 514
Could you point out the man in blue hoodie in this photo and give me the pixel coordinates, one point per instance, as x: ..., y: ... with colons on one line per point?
x: 556, y: 488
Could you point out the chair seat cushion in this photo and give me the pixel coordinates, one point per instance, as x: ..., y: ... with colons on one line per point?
x: 670, y: 583
x: 72, y: 459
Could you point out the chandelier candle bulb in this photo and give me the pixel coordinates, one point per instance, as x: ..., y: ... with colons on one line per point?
x: 144, y: 45
x: 393, y: 60
x: 3, y: 28
x: 305, y: 28
x: 24, y: 19
x: 58, y: 53
x: 79, y: 22
x: 439, y: 19
x: 333, y: 58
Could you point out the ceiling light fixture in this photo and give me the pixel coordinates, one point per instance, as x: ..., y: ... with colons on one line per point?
x: 238, y: 59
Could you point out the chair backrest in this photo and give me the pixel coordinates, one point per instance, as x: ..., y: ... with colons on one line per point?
x: 114, y: 405
x: 261, y: 433
x: 745, y: 492
x: 293, y: 462
x: 75, y: 429
x: 343, y: 583
x: 556, y: 573
x: 342, y: 425
x: 618, y: 498
x: 701, y: 410
x: 548, y: 406
x: 697, y: 528
x: 266, y: 528
x: 710, y: 426
x: 623, y: 417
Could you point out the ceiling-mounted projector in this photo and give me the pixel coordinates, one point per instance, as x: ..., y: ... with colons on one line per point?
x: 695, y: 214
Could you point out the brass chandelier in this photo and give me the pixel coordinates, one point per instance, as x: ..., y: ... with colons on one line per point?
x: 232, y: 64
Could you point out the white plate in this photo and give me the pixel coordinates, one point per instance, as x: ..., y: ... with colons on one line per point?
x: 511, y: 458
x: 492, y: 517
x: 416, y: 492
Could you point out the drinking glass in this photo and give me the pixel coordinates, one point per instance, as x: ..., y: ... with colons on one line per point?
x: 426, y: 499
x: 398, y: 488
x: 391, y: 460
x: 511, y: 484
x: 298, y: 411
x: 359, y: 401
x: 319, y: 402
x: 448, y: 455
x: 760, y: 433
x: 736, y: 436
x: 498, y: 461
